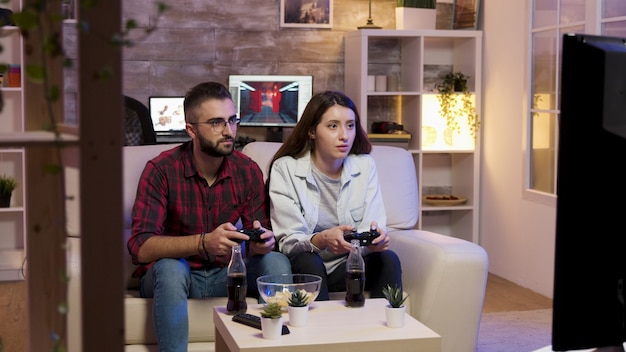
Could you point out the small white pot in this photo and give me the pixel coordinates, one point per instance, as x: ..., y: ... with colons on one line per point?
x: 298, y: 316
x: 272, y: 328
x: 415, y: 18
x: 395, y: 316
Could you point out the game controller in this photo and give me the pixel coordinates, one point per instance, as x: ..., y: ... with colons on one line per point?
x: 365, y: 238
x: 254, y: 234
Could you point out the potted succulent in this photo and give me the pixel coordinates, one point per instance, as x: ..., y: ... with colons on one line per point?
x: 298, y: 307
x: 272, y: 320
x: 396, y: 309
x: 416, y: 14
x: 7, y: 185
x: 456, y: 101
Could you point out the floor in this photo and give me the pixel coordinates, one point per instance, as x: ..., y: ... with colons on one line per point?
x: 13, y: 316
x: 504, y: 296
x: 501, y: 295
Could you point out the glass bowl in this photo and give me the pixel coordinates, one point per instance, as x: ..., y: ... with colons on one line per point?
x: 278, y: 288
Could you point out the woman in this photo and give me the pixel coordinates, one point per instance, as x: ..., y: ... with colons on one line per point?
x: 322, y: 183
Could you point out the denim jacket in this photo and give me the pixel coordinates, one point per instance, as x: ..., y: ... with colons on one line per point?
x: 295, y: 202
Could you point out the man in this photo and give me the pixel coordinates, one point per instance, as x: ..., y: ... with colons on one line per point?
x: 188, y: 200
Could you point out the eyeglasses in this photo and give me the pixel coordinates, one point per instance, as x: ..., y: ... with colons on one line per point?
x: 219, y: 124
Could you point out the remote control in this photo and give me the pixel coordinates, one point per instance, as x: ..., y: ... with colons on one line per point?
x: 254, y: 321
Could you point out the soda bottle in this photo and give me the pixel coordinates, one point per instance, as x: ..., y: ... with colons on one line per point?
x: 236, y: 282
x: 355, y: 276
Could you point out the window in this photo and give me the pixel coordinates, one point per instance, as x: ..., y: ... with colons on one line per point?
x: 550, y: 20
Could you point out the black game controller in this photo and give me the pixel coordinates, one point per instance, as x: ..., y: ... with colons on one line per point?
x: 254, y: 234
x: 365, y: 238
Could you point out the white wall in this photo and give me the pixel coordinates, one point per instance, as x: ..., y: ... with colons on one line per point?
x: 517, y: 231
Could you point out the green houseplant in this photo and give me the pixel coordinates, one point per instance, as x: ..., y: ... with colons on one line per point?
x: 299, y: 298
x: 396, y: 310
x: 272, y: 310
x: 298, y: 307
x: 394, y: 296
x: 422, y: 4
x: 7, y: 185
x: 453, y: 109
x: 416, y: 14
x: 272, y: 320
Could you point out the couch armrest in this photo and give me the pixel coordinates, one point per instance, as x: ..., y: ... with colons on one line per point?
x: 446, y: 279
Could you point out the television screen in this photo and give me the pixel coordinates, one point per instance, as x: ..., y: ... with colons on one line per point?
x: 270, y: 100
x: 590, y: 250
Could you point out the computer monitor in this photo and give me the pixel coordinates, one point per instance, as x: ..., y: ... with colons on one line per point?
x: 270, y: 100
x: 168, y: 118
x: 590, y: 251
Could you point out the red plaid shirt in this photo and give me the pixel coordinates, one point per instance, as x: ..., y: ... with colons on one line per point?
x: 174, y: 200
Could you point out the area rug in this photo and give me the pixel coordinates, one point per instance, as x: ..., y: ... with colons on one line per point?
x: 521, y: 331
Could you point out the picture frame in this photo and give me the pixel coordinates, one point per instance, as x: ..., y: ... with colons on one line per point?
x: 465, y: 14
x: 306, y: 13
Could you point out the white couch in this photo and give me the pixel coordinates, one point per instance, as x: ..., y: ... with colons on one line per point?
x: 445, y: 277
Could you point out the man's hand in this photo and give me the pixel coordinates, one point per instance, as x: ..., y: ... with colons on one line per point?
x: 221, y: 240
x: 262, y: 247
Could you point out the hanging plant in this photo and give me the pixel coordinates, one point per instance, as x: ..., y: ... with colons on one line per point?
x: 449, y: 107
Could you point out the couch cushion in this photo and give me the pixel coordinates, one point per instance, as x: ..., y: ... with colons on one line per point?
x: 398, y: 184
x: 135, y: 158
x: 138, y: 319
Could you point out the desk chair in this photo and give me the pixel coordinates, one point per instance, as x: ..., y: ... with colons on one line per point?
x: 138, y: 129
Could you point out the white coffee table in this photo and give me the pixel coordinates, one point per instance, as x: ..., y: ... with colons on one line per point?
x: 331, y: 327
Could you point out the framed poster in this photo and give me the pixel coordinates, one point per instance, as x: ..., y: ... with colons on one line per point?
x: 465, y: 14
x: 306, y: 13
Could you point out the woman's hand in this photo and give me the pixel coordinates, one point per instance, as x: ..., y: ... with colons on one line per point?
x: 332, y: 239
x: 380, y: 243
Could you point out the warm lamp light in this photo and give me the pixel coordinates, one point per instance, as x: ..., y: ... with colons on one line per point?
x: 435, y: 133
x: 370, y: 22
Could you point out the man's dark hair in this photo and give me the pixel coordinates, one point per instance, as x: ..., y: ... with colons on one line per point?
x: 200, y: 93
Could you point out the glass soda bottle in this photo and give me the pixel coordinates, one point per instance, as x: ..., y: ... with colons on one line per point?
x: 355, y: 276
x: 236, y: 283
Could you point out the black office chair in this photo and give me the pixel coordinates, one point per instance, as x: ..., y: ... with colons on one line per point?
x: 138, y: 129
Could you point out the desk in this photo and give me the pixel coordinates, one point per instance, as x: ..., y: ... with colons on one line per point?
x: 331, y: 327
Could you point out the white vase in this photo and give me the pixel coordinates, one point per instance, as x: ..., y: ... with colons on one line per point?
x: 298, y: 316
x: 272, y: 328
x: 415, y: 18
x: 395, y: 316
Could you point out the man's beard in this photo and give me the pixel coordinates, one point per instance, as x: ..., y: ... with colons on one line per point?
x: 215, y: 149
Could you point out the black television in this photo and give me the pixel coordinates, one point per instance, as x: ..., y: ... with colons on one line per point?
x: 272, y: 101
x: 590, y: 248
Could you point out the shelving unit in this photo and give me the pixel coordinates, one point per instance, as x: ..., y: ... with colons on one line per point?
x: 445, y: 163
x: 97, y: 155
x: 12, y: 159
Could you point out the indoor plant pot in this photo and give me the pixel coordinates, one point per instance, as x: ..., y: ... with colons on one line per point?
x: 298, y: 308
x: 272, y: 321
x: 7, y: 185
x: 416, y: 14
x: 395, y: 311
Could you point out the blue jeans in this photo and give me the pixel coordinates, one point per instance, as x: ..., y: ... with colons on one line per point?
x: 170, y: 282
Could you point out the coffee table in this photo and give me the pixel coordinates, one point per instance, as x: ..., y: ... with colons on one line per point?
x: 331, y: 327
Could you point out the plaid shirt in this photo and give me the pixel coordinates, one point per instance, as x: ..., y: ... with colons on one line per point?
x: 174, y: 200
